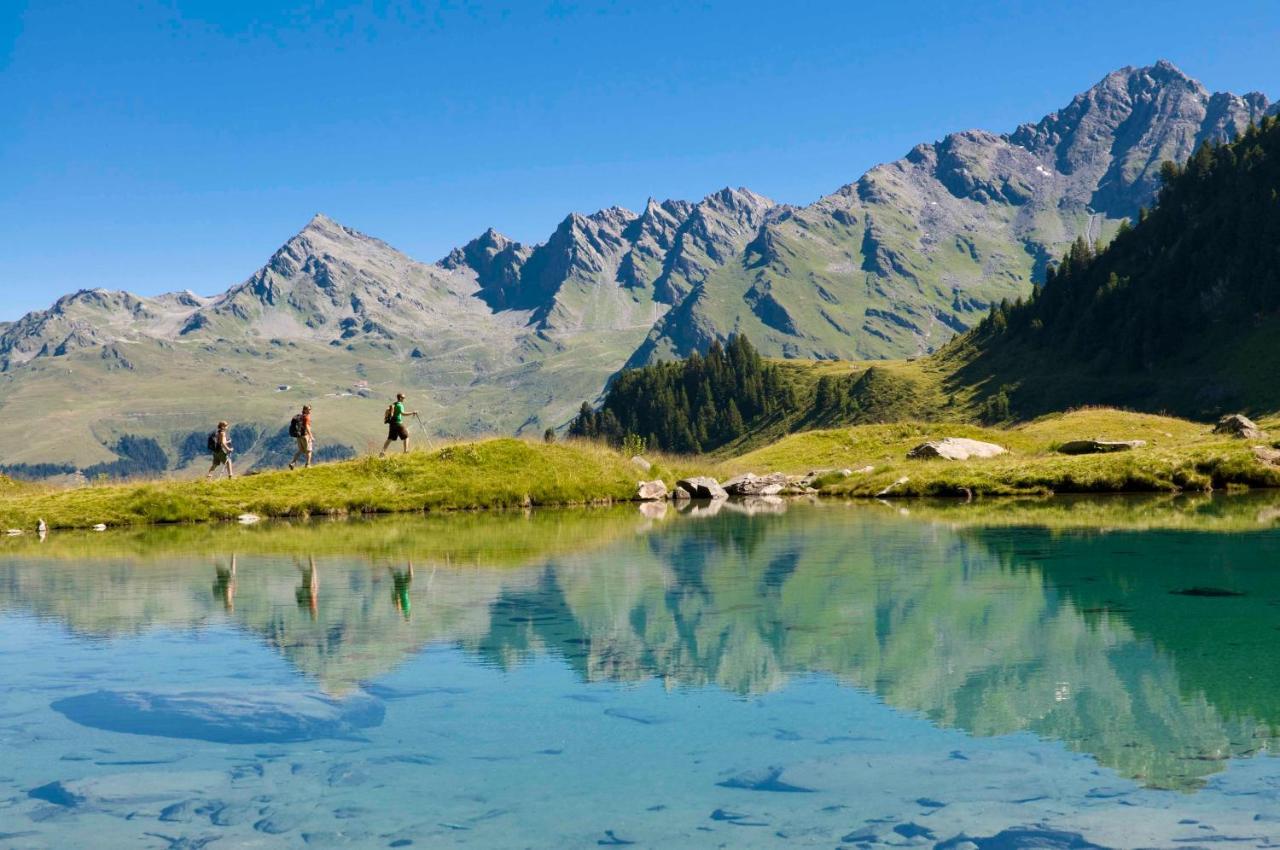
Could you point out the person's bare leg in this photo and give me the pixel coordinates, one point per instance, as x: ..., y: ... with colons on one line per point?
x: 230, y: 472
x: 385, y: 446
x: 406, y: 445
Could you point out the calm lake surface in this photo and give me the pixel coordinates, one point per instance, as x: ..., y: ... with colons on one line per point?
x: 758, y: 676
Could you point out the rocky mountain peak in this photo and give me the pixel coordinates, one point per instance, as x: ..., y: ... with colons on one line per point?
x: 736, y: 200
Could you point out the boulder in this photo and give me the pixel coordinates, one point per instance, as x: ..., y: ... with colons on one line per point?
x: 701, y: 487
x: 956, y: 448
x: 651, y: 491
x: 1238, y: 425
x: 756, y: 485
x: 895, y: 485
x: 641, y: 464
x: 1097, y: 447
x: 1267, y: 455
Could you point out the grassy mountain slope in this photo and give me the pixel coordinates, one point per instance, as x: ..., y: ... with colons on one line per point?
x: 1178, y: 313
x: 916, y: 250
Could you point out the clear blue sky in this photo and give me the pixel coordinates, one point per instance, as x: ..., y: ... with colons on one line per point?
x: 154, y: 146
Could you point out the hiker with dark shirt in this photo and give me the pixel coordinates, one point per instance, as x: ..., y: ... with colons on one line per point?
x: 220, y: 448
x: 300, y: 430
x: 397, y: 430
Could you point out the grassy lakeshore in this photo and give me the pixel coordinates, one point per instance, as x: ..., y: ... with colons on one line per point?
x: 1180, y: 455
x: 496, y: 473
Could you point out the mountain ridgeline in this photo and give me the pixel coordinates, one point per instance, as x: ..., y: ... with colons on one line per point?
x: 506, y: 337
x: 1178, y: 312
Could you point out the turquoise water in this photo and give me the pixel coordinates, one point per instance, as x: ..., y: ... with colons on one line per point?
x: 771, y: 676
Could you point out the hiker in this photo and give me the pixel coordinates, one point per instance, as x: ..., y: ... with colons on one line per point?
x: 308, y: 592
x: 394, y: 418
x: 400, y: 582
x: 300, y: 430
x: 224, y: 585
x: 220, y: 448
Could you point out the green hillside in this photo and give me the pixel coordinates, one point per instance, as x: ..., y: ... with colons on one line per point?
x: 1178, y: 313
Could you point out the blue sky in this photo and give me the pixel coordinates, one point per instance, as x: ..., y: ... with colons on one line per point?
x: 154, y: 146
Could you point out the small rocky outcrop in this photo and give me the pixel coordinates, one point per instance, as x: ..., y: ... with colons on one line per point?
x: 812, y: 476
x: 651, y: 491
x: 700, y: 487
x: 1097, y: 447
x: 1238, y: 425
x: 956, y: 448
x: 1267, y: 455
x: 750, y: 484
x: 641, y: 464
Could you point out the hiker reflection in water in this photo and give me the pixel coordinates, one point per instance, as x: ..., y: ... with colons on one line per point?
x: 400, y: 582
x: 308, y: 593
x: 224, y: 585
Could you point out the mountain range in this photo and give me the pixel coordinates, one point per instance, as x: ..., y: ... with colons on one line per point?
x: 499, y: 336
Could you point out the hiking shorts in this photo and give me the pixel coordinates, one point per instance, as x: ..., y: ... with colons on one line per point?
x: 304, y: 444
x: 398, y: 431
x: 219, y: 458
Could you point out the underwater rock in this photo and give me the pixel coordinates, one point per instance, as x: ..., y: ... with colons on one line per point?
x: 913, y: 830
x: 1023, y: 838
x: 1210, y: 592
x: 768, y: 779
x: 56, y: 793
x: 224, y: 718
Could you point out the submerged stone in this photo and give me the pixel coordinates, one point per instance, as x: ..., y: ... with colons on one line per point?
x: 56, y: 793
x: 769, y: 779
x: 1023, y: 838
x: 224, y: 718
x: 1206, y: 591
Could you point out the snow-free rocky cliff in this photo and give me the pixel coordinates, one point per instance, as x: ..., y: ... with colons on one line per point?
x: 501, y: 337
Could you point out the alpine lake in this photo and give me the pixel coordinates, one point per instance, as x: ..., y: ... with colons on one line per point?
x: 1056, y: 673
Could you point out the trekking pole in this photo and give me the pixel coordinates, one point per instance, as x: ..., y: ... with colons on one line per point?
x: 425, y: 432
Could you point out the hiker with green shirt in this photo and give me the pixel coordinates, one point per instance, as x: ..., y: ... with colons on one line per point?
x: 394, y: 418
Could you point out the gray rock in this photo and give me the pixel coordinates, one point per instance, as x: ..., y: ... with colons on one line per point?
x: 756, y: 485
x: 956, y: 448
x: 651, y: 491
x: 1095, y: 447
x: 1267, y: 455
x: 641, y: 464
x: 702, y: 487
x: 225, y: 718
x: 56, y: 793
x: 1238, y: 425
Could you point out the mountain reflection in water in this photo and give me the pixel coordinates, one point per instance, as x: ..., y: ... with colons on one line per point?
x: 1071, y: 634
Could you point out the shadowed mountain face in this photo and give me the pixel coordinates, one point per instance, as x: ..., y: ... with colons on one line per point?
x: 500, y: 336
x: 1068, y: 635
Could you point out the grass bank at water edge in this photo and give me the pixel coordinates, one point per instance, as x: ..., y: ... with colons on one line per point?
x: 496, y: 473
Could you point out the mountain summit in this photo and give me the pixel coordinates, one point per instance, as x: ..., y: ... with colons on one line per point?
x: 501, y: 336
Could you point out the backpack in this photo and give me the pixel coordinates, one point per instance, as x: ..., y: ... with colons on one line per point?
x: 213, y: 442
x: 389, y: 415
x: 295, y: 426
